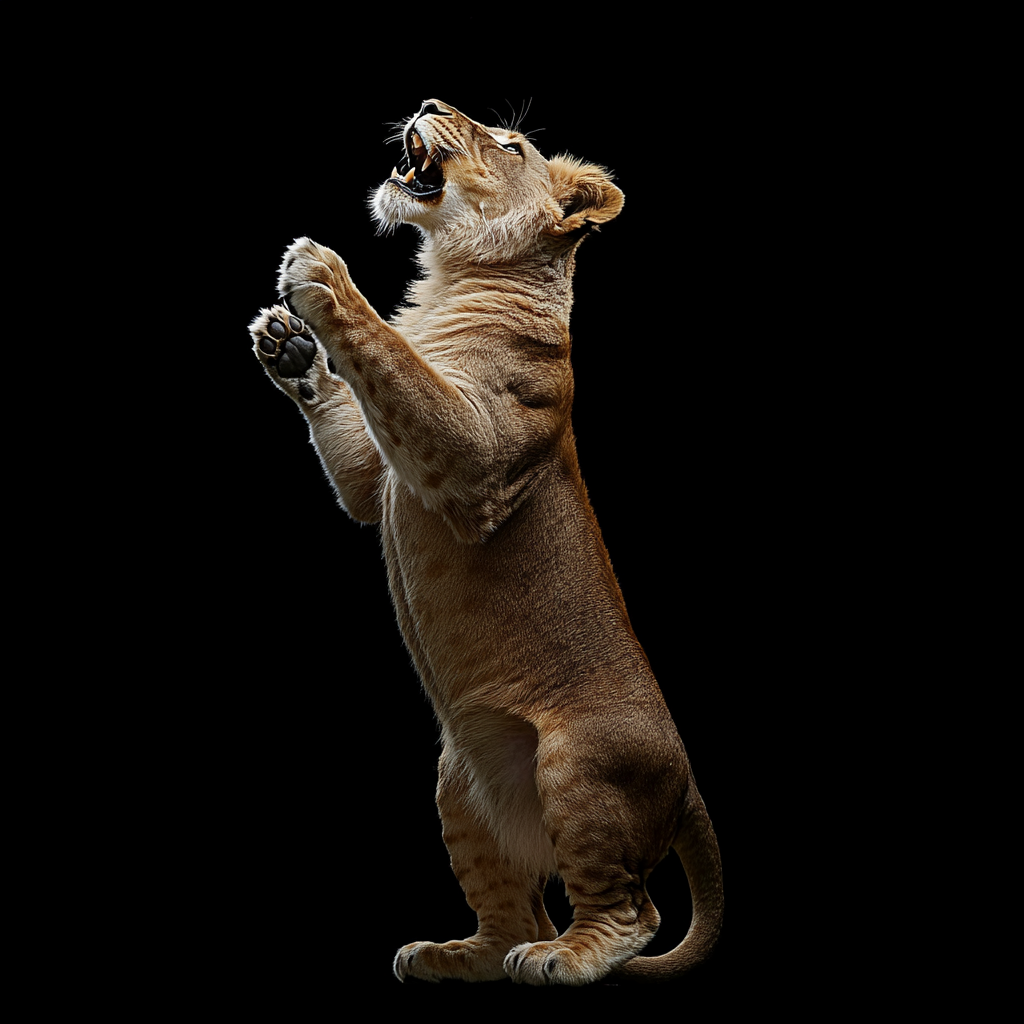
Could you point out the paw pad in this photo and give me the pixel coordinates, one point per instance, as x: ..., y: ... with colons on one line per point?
x: 285, y: 343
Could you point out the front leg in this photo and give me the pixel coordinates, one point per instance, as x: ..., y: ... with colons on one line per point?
x: 438, y: 438
x: 300, y: 367
x: 315, y: 283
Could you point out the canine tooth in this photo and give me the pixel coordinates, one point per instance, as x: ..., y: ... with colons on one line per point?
x: 417, y: 142
x: 410, y: 175
x: 426, y: 162
x: 394, y: 172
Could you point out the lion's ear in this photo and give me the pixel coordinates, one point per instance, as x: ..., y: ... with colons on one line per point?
x: 584, y: 192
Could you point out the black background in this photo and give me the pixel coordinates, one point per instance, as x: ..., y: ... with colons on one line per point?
x: 310, y: 847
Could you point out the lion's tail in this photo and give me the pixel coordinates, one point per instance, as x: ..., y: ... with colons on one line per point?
x: 697, y: 847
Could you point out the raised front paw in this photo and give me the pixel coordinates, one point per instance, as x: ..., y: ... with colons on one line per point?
x: 283, y: 342
x: 315, y: 282
x: 289, y: 351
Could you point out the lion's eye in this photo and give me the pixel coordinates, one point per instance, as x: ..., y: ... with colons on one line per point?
x: 512, y: 147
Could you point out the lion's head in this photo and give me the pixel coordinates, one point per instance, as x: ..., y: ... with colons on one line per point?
x: 486, y: 194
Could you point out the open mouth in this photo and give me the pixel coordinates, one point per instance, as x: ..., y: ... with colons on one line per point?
x: 419, y: 173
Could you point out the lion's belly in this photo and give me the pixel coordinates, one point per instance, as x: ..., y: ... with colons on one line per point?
x: 529, y: 610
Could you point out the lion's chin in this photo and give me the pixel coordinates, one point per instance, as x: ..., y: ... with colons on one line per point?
x: 392, y: 205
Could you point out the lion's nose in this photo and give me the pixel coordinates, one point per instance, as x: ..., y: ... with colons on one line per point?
x: 430, y: 107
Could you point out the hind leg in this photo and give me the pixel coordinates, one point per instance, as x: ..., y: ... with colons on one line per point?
x: 508, y: 898
x: 609, y: 829
x: 613, y: 920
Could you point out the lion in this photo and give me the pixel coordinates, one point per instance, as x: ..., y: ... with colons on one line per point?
x: 450, y: 427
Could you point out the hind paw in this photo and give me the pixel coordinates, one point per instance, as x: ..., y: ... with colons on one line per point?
x: 553, y: 963
x: 469, y: 960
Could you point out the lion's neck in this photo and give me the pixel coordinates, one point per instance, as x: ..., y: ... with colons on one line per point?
x: 531, y: 296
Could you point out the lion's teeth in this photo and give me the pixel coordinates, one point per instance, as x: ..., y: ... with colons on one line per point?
x: 394, y: 172
x: 410, y: 175
x: 426, y: 162
x: 417, y: 142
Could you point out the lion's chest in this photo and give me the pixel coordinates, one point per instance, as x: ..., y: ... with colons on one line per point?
x: 447, y: 593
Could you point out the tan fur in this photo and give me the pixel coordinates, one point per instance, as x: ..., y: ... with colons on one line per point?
x: 450, y: 427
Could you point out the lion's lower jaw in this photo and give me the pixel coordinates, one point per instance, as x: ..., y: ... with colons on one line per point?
x: 386, y: 207
x: 391, y: 206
